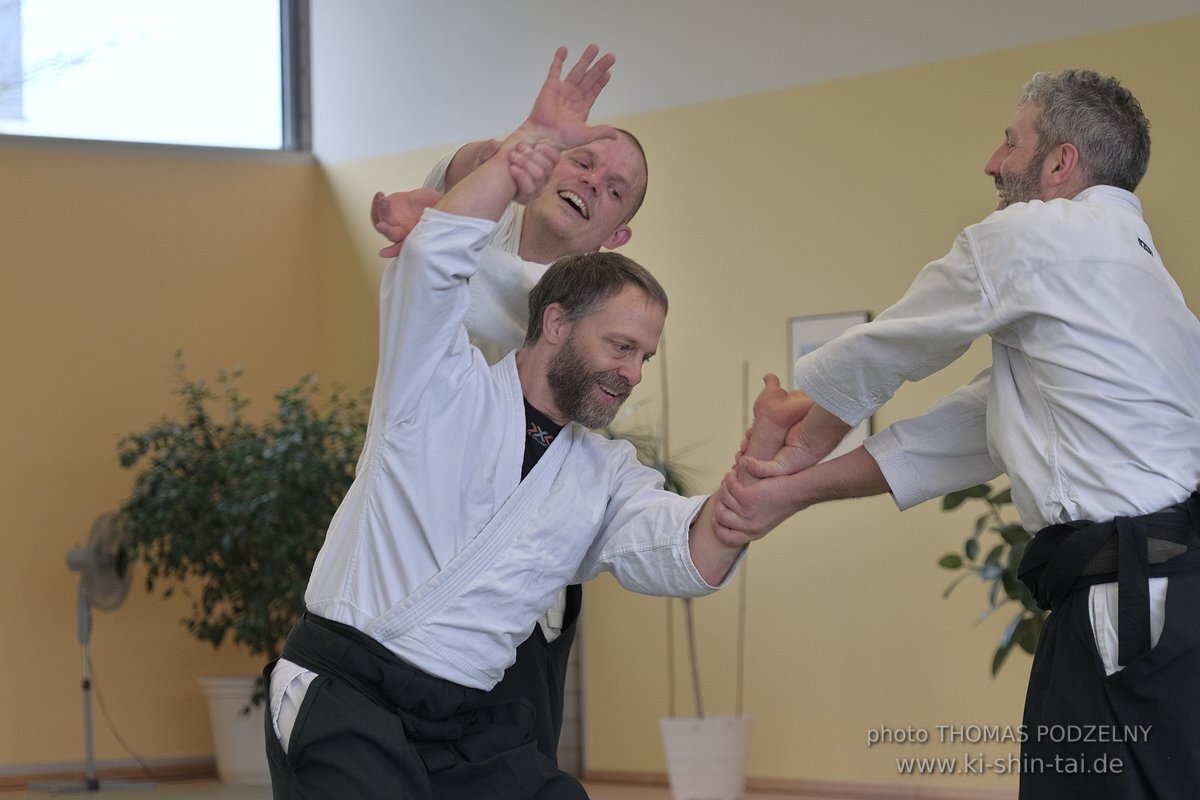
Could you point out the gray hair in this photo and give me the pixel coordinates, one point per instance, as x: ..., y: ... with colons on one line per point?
x: 581, y: 283
x: 1100, y: 117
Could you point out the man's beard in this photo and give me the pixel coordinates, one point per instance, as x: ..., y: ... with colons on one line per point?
x: 1021, y: 187
x: 571, y: 383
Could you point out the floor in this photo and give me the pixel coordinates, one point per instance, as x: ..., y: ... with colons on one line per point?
x: 217, y: 791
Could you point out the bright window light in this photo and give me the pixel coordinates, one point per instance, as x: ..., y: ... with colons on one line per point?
x: 164, y: 71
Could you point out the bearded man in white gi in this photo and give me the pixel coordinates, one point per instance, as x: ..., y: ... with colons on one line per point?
x: 480, y: 493
x: 1092, y: 408
x: 587, y: 204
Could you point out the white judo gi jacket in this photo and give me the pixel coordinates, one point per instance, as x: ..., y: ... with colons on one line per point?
x: 1091, y: 403
x: 440, y: 551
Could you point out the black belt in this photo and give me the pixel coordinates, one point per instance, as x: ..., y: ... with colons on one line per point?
x: 447, y: 722
x: 1130, y: 550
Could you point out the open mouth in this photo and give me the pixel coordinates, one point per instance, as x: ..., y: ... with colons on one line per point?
x: 576, y: 202
x: 618, y: 393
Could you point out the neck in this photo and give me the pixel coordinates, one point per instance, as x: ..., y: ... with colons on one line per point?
x: 537, y: 251
x: 531, y: 371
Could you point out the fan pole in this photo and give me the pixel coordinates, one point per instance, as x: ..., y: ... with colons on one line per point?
x: 91, y: 782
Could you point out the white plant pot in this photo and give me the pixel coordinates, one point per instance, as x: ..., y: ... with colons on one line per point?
x: 238, y: 738
x: 706, y: 756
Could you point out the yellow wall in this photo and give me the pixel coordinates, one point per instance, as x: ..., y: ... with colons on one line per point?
x: 816, y: 199
x: 113, y: 257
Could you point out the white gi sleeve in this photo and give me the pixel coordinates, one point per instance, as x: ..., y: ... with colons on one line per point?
x: 943, y: 450
x: 499, y: 310
x: 944, y: 310
x: 423, y: 300
x: 644, y: 538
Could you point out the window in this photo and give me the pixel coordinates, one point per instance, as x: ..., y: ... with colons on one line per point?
x: 218, y: 73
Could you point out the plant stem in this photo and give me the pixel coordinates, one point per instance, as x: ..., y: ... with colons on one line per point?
x: 739, y: 678
x: 689, y: 618
x: 670, y: 658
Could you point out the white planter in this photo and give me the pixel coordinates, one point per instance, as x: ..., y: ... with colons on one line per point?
x: 706, y: 756
x: 238, y: 738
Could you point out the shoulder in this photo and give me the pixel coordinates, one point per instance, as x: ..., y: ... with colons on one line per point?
x: 1092, y: 206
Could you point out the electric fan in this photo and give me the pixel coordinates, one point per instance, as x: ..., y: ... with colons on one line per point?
x: 103, y: 567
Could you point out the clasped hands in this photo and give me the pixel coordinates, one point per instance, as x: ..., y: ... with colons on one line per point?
x: 763, y: 488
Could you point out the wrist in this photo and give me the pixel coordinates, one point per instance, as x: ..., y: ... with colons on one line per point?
x: 528, y: 133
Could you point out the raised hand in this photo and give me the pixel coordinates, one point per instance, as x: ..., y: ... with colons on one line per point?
x: 396, y: 214
x: 560, y: 112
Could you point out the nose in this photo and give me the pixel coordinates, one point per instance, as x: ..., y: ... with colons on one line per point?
x: 992, y: 167
x: 631, y: 372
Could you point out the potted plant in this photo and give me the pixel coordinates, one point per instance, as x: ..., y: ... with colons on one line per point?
x: 231, y: 512
x: 1001, y: 542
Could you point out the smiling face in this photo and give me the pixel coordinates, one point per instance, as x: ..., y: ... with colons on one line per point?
x: 600, y: 359
x: 590, y: 197
x: 1017, y: 164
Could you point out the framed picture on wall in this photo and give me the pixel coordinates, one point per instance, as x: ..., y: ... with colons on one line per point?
x: 806, y: 334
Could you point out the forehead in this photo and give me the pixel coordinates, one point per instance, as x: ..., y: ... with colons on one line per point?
x: 619, y: 155
x: 1023, y: 125
x: 630, y: 313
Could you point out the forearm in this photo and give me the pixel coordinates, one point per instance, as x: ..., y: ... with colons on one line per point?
x: 712, y: 556
x: 854, y: 474
x: 820, y: 432
x: 745, y: 512
x: 466, y: 159
x: 486, y: 191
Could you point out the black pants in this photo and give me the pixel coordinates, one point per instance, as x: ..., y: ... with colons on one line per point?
x: 371, y: 727
x: 1152, y: 707
x: 1131, y: 735
x: 539, y: 676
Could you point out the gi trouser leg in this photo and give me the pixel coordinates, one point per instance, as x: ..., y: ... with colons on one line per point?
x: 345, y: 746
x: 1152, y: 707
x: 371, y: 727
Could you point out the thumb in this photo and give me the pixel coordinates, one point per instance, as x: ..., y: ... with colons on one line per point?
x: 760, y: 469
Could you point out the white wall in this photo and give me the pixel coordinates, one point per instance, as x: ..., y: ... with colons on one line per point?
x: 391, y: 76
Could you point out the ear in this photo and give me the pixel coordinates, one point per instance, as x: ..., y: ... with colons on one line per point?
x: 1062, y: 165
x: 555, y: 325
x: 620, y: 236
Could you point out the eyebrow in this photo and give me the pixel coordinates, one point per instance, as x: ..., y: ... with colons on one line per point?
x: 590, y: 153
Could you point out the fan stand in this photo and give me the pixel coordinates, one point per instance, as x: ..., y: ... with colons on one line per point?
x: 91, y: 782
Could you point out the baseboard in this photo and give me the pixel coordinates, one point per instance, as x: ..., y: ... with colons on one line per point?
x: 818, y: 790
x: 158, y: 770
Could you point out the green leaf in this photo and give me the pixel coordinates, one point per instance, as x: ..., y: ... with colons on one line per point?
x: 1028, y: 632
x: 955, y: 499
x: 1006, y: 637
x: 971, y: 548
x: 954, y: 583
x: 951, y: 561
x: 998, y: 658
x: 1013, y: 534
x: 1012, y: 586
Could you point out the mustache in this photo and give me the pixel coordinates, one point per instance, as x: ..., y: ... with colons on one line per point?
x: 614, y: 383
